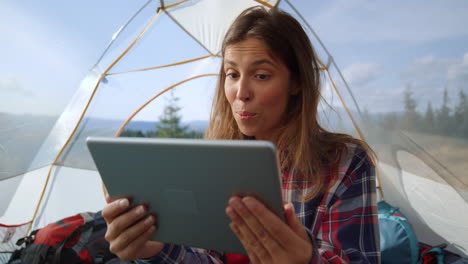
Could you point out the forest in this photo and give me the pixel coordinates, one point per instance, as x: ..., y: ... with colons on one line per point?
x: 450, y: 119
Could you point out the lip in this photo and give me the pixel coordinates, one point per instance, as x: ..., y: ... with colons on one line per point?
x: 244, y: 115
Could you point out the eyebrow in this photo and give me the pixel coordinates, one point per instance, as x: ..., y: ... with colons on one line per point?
x: 255, y: 63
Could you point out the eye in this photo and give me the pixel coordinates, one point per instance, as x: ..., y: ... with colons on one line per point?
x: 262, y: 77
x: 232, y: 75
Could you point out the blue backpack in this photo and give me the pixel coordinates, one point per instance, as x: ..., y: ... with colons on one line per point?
x: 398, y: 242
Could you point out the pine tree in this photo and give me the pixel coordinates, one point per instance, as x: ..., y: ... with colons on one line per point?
x: 429, y: 119
x: 461, y: 107
x: 443, y: 120
x: 132, y: 133
x: 461, y: 115
x: 463, y: 129
x: 389, y: 122
x: 169, y: 122
x: 410, y: 119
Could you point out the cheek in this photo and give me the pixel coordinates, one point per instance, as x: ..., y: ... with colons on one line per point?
x: 229, y: 92
x: 273, y: 99
x: 276, y: 98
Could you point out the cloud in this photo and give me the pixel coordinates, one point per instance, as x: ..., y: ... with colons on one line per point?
x: 409, y: 21
x: 458, y: 71
x: 428, y: 69
x: 360, y: 74
x: 40, y: 72
x: 428, y: 76
x: 436, y: 71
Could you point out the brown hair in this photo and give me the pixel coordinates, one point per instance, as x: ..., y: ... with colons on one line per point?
x: 305, y: 147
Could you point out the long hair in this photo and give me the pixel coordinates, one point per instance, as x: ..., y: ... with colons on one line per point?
x: 305, y: 147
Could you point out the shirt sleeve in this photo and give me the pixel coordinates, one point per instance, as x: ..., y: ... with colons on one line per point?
x: 172, y: 254
x: 348, y: 230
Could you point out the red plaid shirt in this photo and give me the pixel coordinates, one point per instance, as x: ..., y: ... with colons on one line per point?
x: 342, y: 222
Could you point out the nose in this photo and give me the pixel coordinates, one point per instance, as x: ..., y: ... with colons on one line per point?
x: 244, y: 91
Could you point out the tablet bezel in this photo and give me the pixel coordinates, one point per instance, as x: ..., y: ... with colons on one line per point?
x: 192, y: 213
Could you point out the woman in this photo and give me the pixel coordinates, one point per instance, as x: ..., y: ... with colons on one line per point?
x: 269, y: 89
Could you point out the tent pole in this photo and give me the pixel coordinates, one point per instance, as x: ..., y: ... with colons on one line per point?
x: 332, y: 62
x: 116, y: 34
x: 329, y: 55
x: 164, y: 66
x: 101, y: 77
x: 122, y: 127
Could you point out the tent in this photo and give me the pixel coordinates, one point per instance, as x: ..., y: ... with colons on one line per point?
x: 46, y: 172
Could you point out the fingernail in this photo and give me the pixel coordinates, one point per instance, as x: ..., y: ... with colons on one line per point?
x: 124, y: 203
x: 149, y: 220
x: 229, y: 212
x: 235, y: 203
x: 140, y: 210
x: 232, y: 199
x: 249, y: 202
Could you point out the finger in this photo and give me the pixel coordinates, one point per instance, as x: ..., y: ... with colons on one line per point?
x: 106, y: 193
x: 282, y: 233
x: 254, y: 233
x: 250, y: 252
x: 293, y: 222
x: 112, y: 210
x: 132, y: 251
x: 128, y: 236
x: 123, y: 221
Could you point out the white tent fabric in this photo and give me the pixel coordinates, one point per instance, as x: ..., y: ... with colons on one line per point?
x: 424, y: 202
x: 209, y: 29
x: 435, y: 201
x: 65, y: 186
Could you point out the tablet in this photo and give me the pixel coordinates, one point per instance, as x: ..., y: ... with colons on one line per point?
x: 188, y: 182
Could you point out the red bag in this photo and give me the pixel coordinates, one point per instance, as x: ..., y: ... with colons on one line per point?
x: 60, y: 242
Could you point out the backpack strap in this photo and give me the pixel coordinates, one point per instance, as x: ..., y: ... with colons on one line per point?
x: 28, y: 240
x: 88, y: 218
x: 73, y: 235
x: 436, y: 252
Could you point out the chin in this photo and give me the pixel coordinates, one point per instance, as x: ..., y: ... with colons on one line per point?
x: 246, y: 131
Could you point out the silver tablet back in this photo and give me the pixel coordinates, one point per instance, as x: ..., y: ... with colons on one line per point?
x: 188, y: 183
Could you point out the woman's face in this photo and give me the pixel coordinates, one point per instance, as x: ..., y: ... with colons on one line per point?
x: 257, y: 87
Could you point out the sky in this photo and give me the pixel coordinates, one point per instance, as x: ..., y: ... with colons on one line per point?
x: 391, y: 45
x: 382, y: 48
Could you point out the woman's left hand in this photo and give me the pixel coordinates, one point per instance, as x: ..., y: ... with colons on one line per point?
x: 264, y: 236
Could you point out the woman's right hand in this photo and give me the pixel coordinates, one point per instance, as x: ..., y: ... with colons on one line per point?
x: 129, y: 233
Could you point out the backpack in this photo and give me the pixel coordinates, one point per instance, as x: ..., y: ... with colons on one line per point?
x: 78, y: 239
x: 432, y: 255
x: 398, y: 242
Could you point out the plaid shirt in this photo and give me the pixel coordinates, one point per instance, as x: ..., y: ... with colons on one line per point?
x: 342, y: 223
